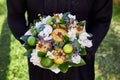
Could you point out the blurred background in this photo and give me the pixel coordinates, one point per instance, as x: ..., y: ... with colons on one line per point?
x: 13, y: 65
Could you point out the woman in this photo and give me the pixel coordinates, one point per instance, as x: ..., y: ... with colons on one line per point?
x: 97, y: 13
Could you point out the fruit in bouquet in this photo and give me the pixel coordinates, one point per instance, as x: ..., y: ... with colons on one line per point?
x: 58, y: 60
x: 68, y: 48
x: 46, y: 62
x: 31, y: 41
x: 59, y: 56
x: 58, y: 34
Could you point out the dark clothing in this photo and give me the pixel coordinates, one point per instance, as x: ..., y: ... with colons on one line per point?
x: 96, y: 12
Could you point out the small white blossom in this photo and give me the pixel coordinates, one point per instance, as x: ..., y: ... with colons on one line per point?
x: 83, y: 39
x: 43, y: 34
x: 56, y: 70
x: 72, y: 16
x: 37, y: 24
x: 76, y: 58
x: 84, y: 36
x: 71, y: 35
x: 50, y: 54
x: 60, y: 15
x: 87, y: 43
x: 47, y: 38
x: 34, y: 58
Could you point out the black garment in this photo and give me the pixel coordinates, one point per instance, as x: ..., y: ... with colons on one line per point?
x: 96, y: 12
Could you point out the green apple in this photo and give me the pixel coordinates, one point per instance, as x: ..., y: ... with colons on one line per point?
x: 68, y: 48
x: 31, y: 41
x: 46, y: 62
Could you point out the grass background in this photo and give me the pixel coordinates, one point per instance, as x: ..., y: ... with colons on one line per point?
x: 13, y: 65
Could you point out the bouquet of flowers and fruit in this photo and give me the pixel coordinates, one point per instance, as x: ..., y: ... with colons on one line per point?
x: 57, y: 42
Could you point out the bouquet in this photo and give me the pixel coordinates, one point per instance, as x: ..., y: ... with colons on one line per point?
x: 57, y: 42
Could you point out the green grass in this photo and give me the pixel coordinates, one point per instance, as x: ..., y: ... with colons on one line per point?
x: 13, y: 65
x: 108, y: 54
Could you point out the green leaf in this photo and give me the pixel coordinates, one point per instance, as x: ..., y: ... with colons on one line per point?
x: 65, y: 17
x: 69, y: 56
x: 61, y: 44
x: 77, y: 35
x: 83, y: 52
x: 62, y: 26
x: 64, y: 67
x: 28, y: 53
x: 41, y: 54
x: 49, y: 21
x: 62, y: 21
x: 66, y: 38
x: 77, y: 44
x: 82, y: 62
x: 34, y: 33
x: 54, y: 20
x: 24, y: 38
x: 26, y: 46
x: 41, y: 27
x: 82, y: 23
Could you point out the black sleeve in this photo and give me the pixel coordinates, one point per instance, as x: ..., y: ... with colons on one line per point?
x: 101, y: 18
x: 16, y: 17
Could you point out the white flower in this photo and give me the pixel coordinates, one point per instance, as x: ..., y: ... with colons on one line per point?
x: 84, y: 36
x: 45, y: 19
x: 71, y: 35
x: 56, y: 70
x: 28, y: 32
x: 43, y: 34
x: 34, y: 58
x: 47, y: 38
x: 60, y: 15
x: 76, y: 58
x: 50, y: 54
x: 46, y: 32
x: 48, y: 29
x: 87, y: 43
x: 72, y: 16
x: 83, y: 39
x: 37, y: 24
